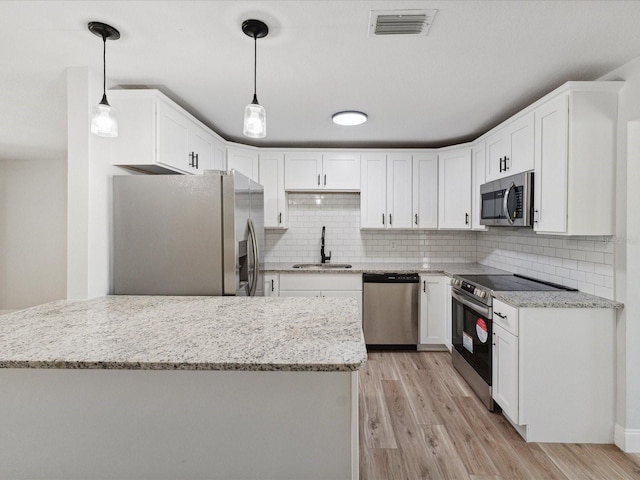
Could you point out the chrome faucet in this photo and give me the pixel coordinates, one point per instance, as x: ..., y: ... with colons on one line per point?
x: 325, y: 258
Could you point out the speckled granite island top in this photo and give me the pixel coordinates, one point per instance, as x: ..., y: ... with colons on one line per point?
x: 186, y: 333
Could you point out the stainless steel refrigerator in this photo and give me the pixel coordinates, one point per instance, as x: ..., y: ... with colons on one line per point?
x: 188, y: 234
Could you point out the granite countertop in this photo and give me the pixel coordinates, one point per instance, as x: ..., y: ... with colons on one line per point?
x: 555, y: 300
x: 445, y: 268
x: 558, y: 299
x: 186, y: 333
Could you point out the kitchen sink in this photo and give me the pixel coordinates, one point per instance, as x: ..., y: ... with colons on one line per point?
x: 322, y: 266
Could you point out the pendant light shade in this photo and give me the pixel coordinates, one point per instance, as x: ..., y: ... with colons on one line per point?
x: 255, y: 116
x: 103, y: 119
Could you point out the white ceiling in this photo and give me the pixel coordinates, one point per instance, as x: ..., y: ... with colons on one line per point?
x: 481, y: 62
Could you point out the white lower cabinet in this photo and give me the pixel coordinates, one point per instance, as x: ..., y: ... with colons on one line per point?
x: 322, y: 285
x: 505, y: 371
x: 554, y: 372
x: 432, y: 325
x: 271, y: 285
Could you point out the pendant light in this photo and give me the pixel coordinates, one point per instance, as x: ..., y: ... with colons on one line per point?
x: 255, y: 119
x: 103, y: 120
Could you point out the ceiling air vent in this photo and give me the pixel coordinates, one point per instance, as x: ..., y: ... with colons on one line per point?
x: 401, y: 22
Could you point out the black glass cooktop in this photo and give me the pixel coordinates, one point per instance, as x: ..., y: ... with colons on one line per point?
x: 513, y: 283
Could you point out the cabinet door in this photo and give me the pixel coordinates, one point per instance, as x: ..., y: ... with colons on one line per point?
x: 219, y: 155
x: 477, y: 178
x: 272, y: 179
x: 373, y: 198
x: 505, y: 371
x: 245, y: 161
x: 271, y: 286
x: 454, y: 185
x: 433, y: 309
x: 550, y: 181
x: 341, y: 171
x: 299, y: 293
x: 201, y: 149
x: 173, y: 138
x: 302, y: 171
x: 399, y: 195
x: 425, y: 190
x: 497, y: 148
x: 521, y: 139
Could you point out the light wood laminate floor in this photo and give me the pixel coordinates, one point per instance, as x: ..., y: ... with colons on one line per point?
x: 420, y: 420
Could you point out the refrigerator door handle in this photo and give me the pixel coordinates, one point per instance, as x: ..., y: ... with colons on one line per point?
x: 253, y: 283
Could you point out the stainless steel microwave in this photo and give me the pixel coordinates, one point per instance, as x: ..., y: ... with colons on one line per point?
x: 508, y: 201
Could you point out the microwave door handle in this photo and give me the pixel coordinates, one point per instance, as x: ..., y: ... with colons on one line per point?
x: 505, y: 204
x: 253, y: 284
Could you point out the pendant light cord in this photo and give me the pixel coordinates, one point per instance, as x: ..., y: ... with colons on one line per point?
x: 255, y: 67
x: 104, y: 71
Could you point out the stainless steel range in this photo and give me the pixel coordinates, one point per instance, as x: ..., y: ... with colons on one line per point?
x: 472, y: 324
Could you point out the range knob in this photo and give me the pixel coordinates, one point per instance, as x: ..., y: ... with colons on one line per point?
x: 476, y: 292
x: 455, y: 282
x: 482, y: 293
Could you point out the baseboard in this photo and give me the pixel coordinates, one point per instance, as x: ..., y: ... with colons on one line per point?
x: 627, y: 440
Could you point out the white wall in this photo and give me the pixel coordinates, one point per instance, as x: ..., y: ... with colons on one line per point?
x: 340, y: 213
x: 32, y: 232
x: 89, y: 194
x: 627, y: 256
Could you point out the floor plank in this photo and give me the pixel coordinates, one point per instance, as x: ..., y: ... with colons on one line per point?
x: 420, y: 420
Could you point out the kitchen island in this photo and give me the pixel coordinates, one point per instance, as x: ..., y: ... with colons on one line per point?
x: 181, y: 387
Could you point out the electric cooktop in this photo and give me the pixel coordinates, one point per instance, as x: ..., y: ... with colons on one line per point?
x: 513, y: 283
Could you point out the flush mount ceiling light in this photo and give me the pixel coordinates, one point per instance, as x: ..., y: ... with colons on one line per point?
x: 103, y: 120
x: 349, y: 118
x: 255, y: 117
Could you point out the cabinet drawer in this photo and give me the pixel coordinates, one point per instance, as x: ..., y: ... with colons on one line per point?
x: 320, y: 281
x: 506, y: 316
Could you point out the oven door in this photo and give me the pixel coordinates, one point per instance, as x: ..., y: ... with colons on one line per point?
x: 472, y: 330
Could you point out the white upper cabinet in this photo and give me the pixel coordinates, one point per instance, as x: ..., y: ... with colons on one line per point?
x: 373, y: 196
x: 454, y: 199
x: 399, y: 196
x: 575, y: 150
x: 341, y: 171
x: 158, y: 136
x: 331, y: 171
x: 275, y: 198
x: 509, y: 150
x: 425, y: 190
x: 385, y: 199
x: 478, y: 171
x: 244, y: 160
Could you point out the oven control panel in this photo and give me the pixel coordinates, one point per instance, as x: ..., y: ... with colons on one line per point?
x: 468, y: 287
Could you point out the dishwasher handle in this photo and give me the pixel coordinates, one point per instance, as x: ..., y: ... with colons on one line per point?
x: 390, y: 278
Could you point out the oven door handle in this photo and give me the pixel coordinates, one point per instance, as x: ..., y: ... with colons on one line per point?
x: 505, y: 205
x: 481, y: 309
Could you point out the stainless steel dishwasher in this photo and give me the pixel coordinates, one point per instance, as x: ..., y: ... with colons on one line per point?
x: 390, y: 309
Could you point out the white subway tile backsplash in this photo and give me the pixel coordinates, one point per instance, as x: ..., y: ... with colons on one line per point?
x: 579, y: 262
